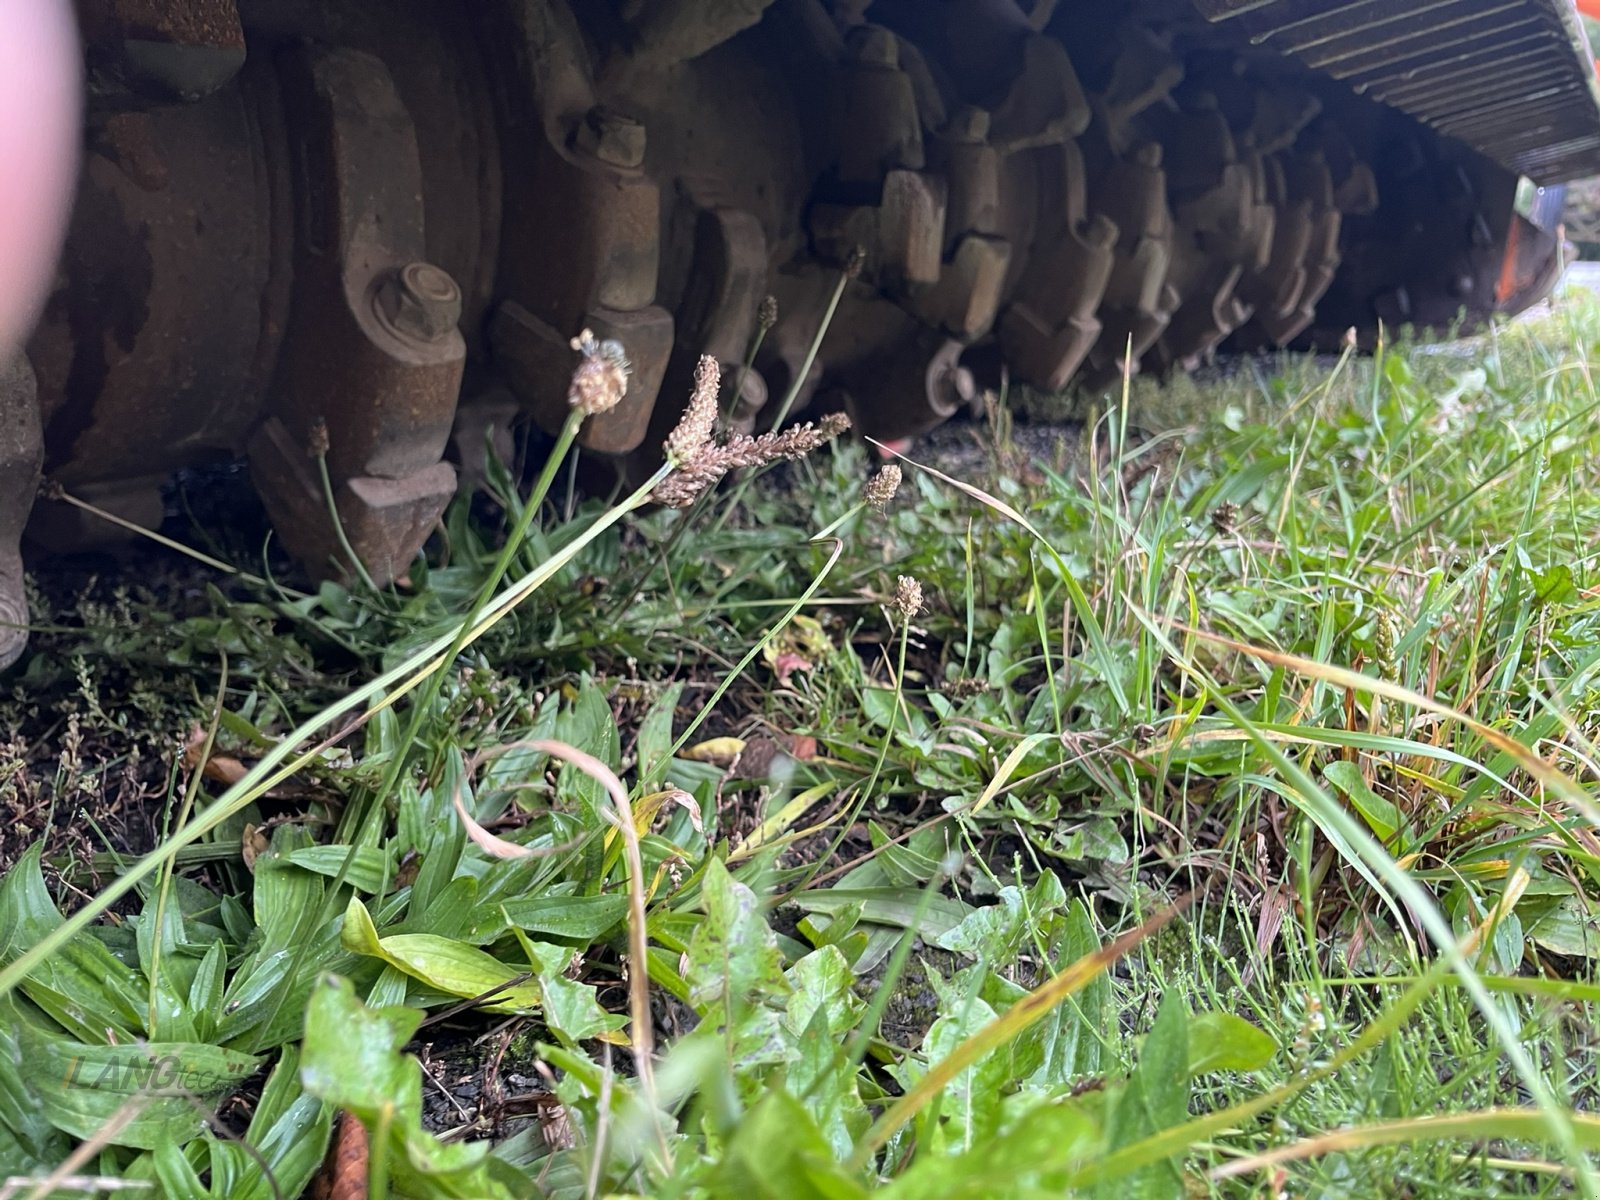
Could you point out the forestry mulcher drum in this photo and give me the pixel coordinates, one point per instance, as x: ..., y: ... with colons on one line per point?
x: 389, y: 219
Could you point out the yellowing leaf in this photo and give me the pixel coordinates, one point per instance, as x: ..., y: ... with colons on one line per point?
x: 646, y: 807
x: 1008, y: 767
x: 719, y: 752
x: 781, y: 821
x: 442, y: 963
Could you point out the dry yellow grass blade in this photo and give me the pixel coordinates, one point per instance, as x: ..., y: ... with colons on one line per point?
x: 1557, y: 781
x: 1523, y: 1124
x: 642, y: 1032
x: 977, y: 493
x: 781, y: 823
x: 1008, y: 768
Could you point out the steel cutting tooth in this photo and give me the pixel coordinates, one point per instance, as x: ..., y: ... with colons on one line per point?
x: 1072, y: 191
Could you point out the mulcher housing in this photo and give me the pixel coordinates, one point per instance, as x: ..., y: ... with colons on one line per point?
x: 388, y: 220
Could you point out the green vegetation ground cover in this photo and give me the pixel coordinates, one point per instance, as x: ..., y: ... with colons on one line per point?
x: 1220, y: 820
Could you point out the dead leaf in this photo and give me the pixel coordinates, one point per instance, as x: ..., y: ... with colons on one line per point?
x: 495, y: 847
x: 344, y: 1170
x: 762, y: 754
x: 252, y: 845
x: 224, y: 769
x: 219, y: 768
x: 786, y: 664
x: 800, y: 747
x: 193, y: 745
x: 410, y: 866
x: 757, y: 760
x: 804, y: 637
x: 555, y: 1127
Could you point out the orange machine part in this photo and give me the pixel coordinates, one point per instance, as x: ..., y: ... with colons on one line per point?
x: 1591, y: 8
x: 1508, y: 266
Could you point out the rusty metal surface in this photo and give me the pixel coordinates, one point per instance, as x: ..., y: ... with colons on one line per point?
x: 162, y: 50
x: 1513, y: 79
x: 1534, y: 261
x: 376, y: 226
x: 21, y: 452
x: 163, y: 315
x: 372, y: 359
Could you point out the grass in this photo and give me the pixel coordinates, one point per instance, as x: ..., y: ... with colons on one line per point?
x: 1220, y: 822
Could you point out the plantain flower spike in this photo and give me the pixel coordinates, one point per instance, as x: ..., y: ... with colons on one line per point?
x: 693, y: 432
x: 601, y: 379
x: 881, y: 488
x: 699, y: 461
x: 907, y: 597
